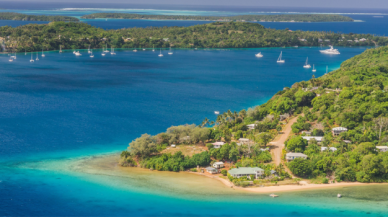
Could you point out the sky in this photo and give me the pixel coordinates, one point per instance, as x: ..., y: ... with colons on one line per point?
x: 378, y: 4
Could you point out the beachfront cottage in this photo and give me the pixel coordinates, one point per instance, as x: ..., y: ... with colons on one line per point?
x: 317, y: 138
x: 337, y: 130
x: 292, y: 156
x: 246, y: 172
x: 211, y: 170
x: 251, y: 126
x: 173, y: 146
x: 382, y: 148
x: 218, y: 144
x: 218, y: 165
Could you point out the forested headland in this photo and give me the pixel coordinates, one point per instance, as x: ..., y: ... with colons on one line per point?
x: 26, y: 17
x: 254, y: 18
x: 354, y: 96
x: 76, y: 35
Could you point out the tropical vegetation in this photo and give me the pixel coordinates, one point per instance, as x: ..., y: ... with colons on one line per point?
x: 27, y: 17
x: 76, y: 35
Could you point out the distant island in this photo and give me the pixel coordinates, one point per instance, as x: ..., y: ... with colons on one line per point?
x: 251, y: 18
x: 77, y: 35
x: 26, y: 17
x: 325, y: 130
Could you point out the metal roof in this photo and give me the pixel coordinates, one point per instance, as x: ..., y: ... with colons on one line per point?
x: 296, y: 155
x: 245, y: 170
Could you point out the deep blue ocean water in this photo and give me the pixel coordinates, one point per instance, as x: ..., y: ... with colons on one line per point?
x: 62, y: 108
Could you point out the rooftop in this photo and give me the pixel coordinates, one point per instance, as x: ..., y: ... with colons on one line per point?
x: 296, y: 154
x: 308, y: 138
x: 380, y: 147
x: 219, y: 163
x: 210, y: 169
x: 340, y: 128
x: 245, y: 170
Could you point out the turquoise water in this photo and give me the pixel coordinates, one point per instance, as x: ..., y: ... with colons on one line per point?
x: 62, y: 108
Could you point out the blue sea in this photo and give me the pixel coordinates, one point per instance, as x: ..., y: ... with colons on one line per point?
x: 63, y: 112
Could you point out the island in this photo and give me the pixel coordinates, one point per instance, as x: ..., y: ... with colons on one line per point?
x: 250, y: 18
x: 327, y: 131
x: 26, y: 17
x: 77, y: 35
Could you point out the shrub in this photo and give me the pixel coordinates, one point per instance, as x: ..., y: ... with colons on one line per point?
x: 325, y: 181
x: 194, y: 170
x: 224, y: 172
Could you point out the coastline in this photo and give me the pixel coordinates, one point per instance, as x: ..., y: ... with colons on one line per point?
x: 108, y: 165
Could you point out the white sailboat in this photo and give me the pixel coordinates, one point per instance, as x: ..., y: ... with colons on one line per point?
x: 43, y: 54
x: 314, y: 70
x: 91, y: 54
x: 32, y: 60
x: 280, y: 58
x: 60, y: 48
x: 37, y: 58
x: 106, y: 49
x: 112, y: 51
x: 170, y: 52
x: 134, y: 50
x: 259, y: 55
x: 89, y: 51
x: 77, y: 53
x: 144, y: 49
x: 153, y: 48
x: 307, y: 65
x: 160, y: 55
x: 25, y: 52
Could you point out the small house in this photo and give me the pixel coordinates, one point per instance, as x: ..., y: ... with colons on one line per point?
x: 218, y: 165
x: 244, y: 140
x: 347, y: 141
x: 211, y: 170
x: 382, y: 148
x: 173, y: 146
x: 308, y: 133
x: 317, y: 138
x: 337, y: 130
x: 274, y: 173
x: 218, y: 144
x: 246, y: 172
x: 326, y: 148
x: 251, y: 126
x: 293, y: 156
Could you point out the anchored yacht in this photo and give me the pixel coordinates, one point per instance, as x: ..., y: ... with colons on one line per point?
x: 280, y: 58
x: 314, y: 70
x: 307, y: 65
x: 160, y: 55
x: 259, y: 55
x: 330, y: 51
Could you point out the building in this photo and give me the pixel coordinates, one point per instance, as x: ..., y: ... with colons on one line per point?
x: 337, y: 130
x: 218, y: 165
x: 331, y: 149
x: 251, y: 126
x: 308, y: 133
x: 317, y: 138
x: 211, y: 170
x: 363, y: 39
x: 293, y: 156
x: 347, y: 141
x: 173, y: 146
x: 246, y: 172
x: 382, y: 148
x: 244, y: 140
x: 218, y: 144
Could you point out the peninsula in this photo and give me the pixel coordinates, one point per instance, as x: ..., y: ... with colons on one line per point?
x: 326, y: 130
x: 250, y: 18
x: 77, y: 35
x: 26, y: 17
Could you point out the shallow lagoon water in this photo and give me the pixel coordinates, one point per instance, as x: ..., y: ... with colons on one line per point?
x: 61, y: 112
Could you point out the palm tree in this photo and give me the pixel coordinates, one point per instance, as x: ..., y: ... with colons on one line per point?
x: 205, y: 122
